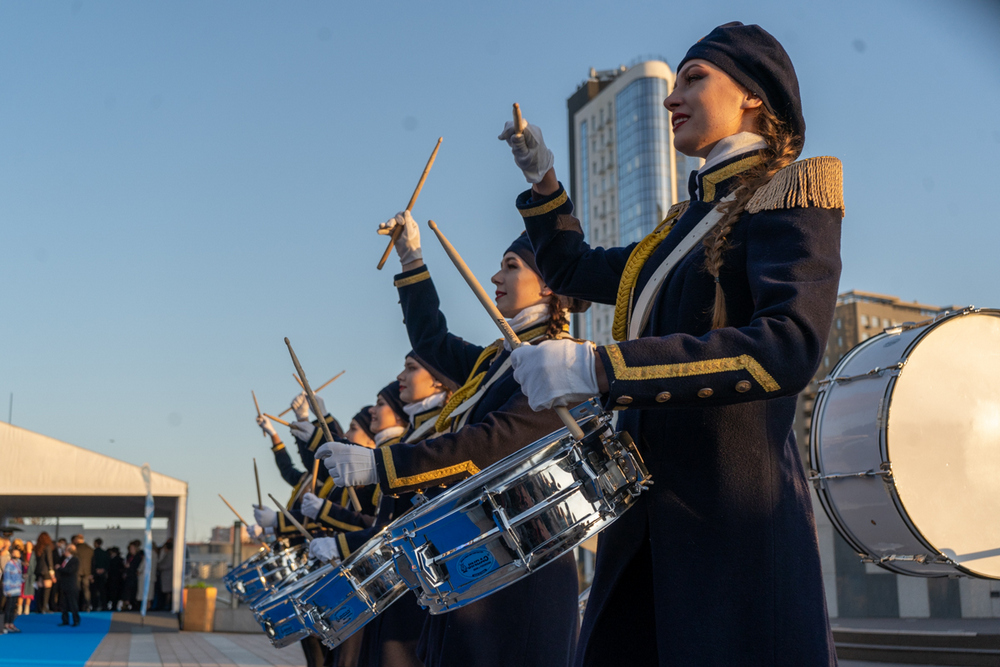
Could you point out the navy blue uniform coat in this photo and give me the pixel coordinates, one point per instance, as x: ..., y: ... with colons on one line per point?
x: 718, y: 563
x: 532, y: 623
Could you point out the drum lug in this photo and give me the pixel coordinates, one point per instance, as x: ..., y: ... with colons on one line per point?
x: 502, y: 522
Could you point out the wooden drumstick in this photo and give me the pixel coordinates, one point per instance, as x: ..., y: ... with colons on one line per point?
x: 277, y: 419
x: 256, y: 477
x: 398, y: 231
x: 256, y: 405
x: 318, y: 389
x: 312, y: 488
x: 299, y: 381
x: 262, y: 542
x: 498, y: 319
x: 288, y: 515
x: 322, y: 421
x: 517, y: 118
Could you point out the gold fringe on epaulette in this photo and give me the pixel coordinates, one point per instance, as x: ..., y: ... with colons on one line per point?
x: 817, y: 181
x: 636, y: 260
x: 470, y: 387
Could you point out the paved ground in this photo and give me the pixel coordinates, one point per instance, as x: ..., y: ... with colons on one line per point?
x: 123, y: 640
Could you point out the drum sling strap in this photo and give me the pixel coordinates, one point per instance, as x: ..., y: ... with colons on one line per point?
x: 644, y: 304
x: 463, y: 410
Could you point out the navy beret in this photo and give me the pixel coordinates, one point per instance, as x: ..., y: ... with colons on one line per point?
x: 522, y: 248
x: 364, y: 420
x: 758, y: 62
x: 447, y: 382
x: 390, y: 394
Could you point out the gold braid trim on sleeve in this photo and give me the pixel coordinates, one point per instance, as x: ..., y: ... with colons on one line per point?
x: 816, y: 181
x: 345, y: 550
x: 645, y: 248
x: 744, y: 362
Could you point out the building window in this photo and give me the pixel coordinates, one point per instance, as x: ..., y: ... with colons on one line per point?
x: 643, y: 150
x: 864, y: 336
x: 839, y: 324
x: 864, y: 320
x: 826, y: 361
x: 874, y: 321
x: 840, y: 341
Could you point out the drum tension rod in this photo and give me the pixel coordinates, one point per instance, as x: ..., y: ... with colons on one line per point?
x: 872, y: 373
x: 923, y: 559
x: 884, y: 470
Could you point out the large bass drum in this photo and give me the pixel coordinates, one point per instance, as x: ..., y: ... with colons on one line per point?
x: 905, y: 446
x: 519, y: 514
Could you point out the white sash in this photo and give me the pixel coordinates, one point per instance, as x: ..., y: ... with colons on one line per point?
x: 465, y: 406
x: 644, y: 304
x: 418, y: 434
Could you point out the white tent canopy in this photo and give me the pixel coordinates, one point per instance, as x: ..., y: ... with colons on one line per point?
x: 42, y: 476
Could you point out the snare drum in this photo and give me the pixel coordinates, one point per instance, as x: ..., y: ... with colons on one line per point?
x: 268, y: 572
x: 350, y: 595
x: 519, y: 514
x: 277, y: 612
x: 237, y: 579
x: 905, y: 446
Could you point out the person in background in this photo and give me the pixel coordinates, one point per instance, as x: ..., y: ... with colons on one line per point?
x: 57, y: 557
x: 68, y: 574
x: 45, y: 570
x: 86, y: 555
x: 116, y: 578
x: 165, y: 576
x: 4, y: 559
x: 28, y: 570
x: 13, y: 579
x: 99, y: 572
x: 134, y: 561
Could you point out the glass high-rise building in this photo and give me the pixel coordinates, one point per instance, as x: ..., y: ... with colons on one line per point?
x: 624, y: 172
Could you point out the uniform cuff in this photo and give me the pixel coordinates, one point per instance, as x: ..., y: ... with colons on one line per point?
x: 537, y: 208
x: 411, y: 277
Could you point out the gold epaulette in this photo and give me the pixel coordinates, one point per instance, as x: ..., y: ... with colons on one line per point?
x: 470, y: 387
x: 816, y: 181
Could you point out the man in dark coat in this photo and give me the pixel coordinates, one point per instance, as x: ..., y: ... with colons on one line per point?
x: 100, y: 566
x: 67, y: 574
x: 85, y: 554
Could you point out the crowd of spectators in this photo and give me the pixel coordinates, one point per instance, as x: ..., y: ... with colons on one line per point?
x: 46, y: 576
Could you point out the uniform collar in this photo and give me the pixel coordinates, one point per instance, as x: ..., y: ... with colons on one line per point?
x: 389, y: 436
x: 729, y: 158
x: 421, y: 411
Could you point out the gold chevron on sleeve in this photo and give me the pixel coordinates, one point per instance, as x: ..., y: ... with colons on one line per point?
x: 429, y: 476
x: 412, y: 280
x: 345, y: 550
x: 744, y: 362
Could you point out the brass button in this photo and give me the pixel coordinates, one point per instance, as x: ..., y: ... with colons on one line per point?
x: 705, y: 393
x: 663, y: 397
x: 743, y: 386
x: 623, y: 400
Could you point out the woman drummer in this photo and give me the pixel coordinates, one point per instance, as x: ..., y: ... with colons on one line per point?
x: 534, y: 621
x: 718, y: 562
x: 406, y: 407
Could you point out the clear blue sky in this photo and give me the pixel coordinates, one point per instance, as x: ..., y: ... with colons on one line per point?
x: 183, y: 184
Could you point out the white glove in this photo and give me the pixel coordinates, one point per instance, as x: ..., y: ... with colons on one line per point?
x: 529, y: 149
x: 300, y: 405
x: 302, y: 430
x: 266, y: 427
x: 349, y: 465
x: 324, y: 549
x: 555, y: 372
x: 311, y: 504
x: 408, y: 243
x: 265, y: 516
x: 255, y: 532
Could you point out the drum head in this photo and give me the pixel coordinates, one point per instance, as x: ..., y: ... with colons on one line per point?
x: 943, y: 440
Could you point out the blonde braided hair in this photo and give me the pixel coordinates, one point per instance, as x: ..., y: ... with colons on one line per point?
x: 783, y: 147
